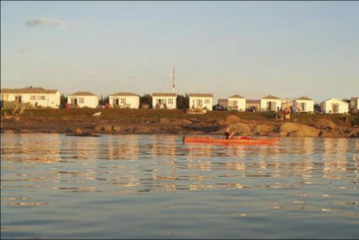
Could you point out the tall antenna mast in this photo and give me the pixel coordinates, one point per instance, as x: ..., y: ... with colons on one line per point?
x: 173, y: 81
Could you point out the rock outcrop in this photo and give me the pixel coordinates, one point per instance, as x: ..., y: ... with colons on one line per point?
x: 241, y: 128
x: 262, y: 129
x: 298, y: 130
x: 116, y: 128
x: 232, y: 119
x: 107, y: 128
x: 325, y: 125
x: 77, y: 131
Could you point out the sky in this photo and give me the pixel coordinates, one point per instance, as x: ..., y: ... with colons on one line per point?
x: 286, y: 49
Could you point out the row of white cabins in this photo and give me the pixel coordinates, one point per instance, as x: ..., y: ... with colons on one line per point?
x: 51, y: 98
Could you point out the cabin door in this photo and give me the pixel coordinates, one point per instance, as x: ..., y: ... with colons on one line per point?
x: 199, y: 103
x: 74, y: 101
x: 302, y: 107
x: 335, y: 108
x: 271, y: 106
x: 117, y: 101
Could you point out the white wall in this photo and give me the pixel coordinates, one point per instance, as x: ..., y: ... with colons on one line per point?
x: 241, y: 104
x: 51, y: 100
x: 327, y: 106
x: 88, y: 101
x: 171, y: 102
x: 126, y: 101
x: 309, y: 106
x: 263, y: 106
x: 206, y: 102
x: 357, y: 104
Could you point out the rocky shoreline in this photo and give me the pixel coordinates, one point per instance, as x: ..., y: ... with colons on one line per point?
x: 322, y: 128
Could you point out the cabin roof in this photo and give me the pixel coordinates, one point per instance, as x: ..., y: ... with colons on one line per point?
x: 124, y: 94
x: 27, y: 90
x: 270, y: 97
x: 236, y: 96
x: 82, y: 94
x: 164, y: 94
x: 305, y: 98
x: 206, y: 95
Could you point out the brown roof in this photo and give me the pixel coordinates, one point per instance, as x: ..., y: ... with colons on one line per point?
x: 305, y: 98
x: 208, y: 95
x: 223, y: 102
x: 27, y: 90
x: 270, y: 97
x: 125, y: 94
x: 82, y: 94
x: 164, y: 94
x: 253, y: 101
x: 236, y: 96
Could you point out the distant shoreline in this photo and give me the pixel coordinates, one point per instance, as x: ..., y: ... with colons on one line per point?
x: 152, y: 121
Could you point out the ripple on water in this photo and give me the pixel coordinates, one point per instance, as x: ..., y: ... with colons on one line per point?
x: 150, y: 186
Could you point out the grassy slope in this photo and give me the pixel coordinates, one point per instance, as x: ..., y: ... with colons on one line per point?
x: 154, y: 115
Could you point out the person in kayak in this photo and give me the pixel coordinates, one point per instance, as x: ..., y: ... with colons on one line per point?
x: 228, y: 134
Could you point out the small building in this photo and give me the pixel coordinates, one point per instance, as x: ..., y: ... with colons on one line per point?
x: 270, y: 103
x: 164, y: 100
x: 201, y: 101
x: 36, y: 96
x: 124, y: 100
x: 83, y: 99
x: 334, y: 106
x: 237, y: 103
x: 303, y: 104
x: 354, y: 103
x: 253, y: 105
x: 221, y: 105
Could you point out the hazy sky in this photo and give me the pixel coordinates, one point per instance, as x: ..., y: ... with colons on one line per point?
x: 287, y: 49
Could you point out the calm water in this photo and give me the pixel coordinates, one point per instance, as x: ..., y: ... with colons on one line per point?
x: 151, y: 186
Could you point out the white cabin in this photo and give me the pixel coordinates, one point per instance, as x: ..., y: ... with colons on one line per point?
x: 37, y: 97
x: 201, y: 101
x: 124, y: 100
x: 303, y: 104
x: 83, y: 99
x: 270, y: 103
x: 164, y: 100
x: 334, y: 106
x: 237, y: 103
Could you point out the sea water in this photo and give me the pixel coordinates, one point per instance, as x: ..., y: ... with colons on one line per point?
x: 154, y: 186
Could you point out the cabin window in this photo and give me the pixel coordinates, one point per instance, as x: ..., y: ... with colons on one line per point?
x: 33, y: 97
x: 170, y: 101
x: 81, y: 100
x: 41, y: 97
x: 123, y: 100
x: 207, y: 101
x: 18, y: 99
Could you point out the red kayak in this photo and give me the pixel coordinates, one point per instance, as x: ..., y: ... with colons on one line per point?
x: 240, y: 140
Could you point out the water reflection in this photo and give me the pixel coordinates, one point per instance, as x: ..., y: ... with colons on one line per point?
x: 157, y: 163
x: 306, y: 174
